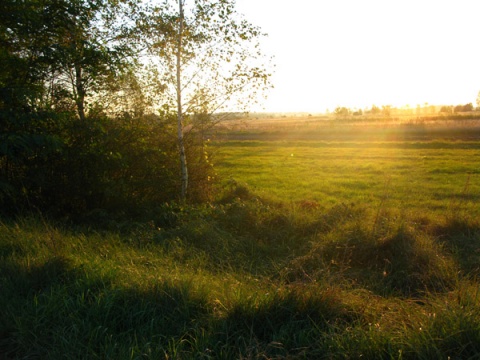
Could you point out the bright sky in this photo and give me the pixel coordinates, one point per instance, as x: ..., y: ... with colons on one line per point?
x: 356, y: 53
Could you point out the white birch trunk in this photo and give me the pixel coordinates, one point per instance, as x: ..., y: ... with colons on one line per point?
x: 181, y: 145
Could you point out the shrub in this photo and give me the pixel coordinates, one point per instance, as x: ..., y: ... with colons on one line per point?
x: 121, y: 165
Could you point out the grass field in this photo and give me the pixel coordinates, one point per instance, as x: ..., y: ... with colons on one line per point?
x: 341, y: 242
x: 411, y: 177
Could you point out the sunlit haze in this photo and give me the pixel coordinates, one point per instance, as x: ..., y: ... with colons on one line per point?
x: 357, y: 53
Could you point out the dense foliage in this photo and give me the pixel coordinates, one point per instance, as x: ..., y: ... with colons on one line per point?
x: 77, y: 129
x: 123, y: 165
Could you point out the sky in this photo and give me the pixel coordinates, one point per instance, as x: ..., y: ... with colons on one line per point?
x: 357, y: 53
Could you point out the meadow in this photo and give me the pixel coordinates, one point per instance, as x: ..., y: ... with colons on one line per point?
x: 410, y: 177
x: 327, y: 240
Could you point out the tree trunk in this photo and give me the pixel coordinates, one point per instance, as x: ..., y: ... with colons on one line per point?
x: 181, y: 144
x: 80, y: 98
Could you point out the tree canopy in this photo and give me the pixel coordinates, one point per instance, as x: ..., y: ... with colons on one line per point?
x: 93, y: 94
x: 210, y: 59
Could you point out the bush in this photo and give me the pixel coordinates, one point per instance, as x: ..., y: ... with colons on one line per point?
x: 59, y: 164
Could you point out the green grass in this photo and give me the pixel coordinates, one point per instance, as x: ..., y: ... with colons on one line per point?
x: 410, y: 176
x: 345, y: 250
x: 247, y: 279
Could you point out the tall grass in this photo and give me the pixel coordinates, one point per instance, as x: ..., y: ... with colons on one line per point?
x: 244, y: 278
x: 313, y: 250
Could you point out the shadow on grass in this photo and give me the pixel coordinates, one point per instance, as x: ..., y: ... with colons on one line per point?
x: 241, y: 232
x: 9, y: 249
x: 285, y: 323
x: 55, y: 310
x: 53, y: 307
x: 59, y: 310
x: 461, y: 236
x: 401, y: 263
x: 245, y: 232
x: 33, y: 279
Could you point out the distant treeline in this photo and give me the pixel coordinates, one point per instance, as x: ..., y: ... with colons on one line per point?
x: 388, y: 110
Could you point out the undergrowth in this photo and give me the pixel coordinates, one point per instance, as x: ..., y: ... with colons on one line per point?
x: 244, y: 278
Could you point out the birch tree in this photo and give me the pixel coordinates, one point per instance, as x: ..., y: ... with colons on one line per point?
x: 211, y: 62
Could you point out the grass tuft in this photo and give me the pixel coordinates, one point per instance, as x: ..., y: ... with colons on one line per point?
x: 248, y: 277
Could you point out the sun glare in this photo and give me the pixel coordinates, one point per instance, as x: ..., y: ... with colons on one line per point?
x: 355, y: 54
